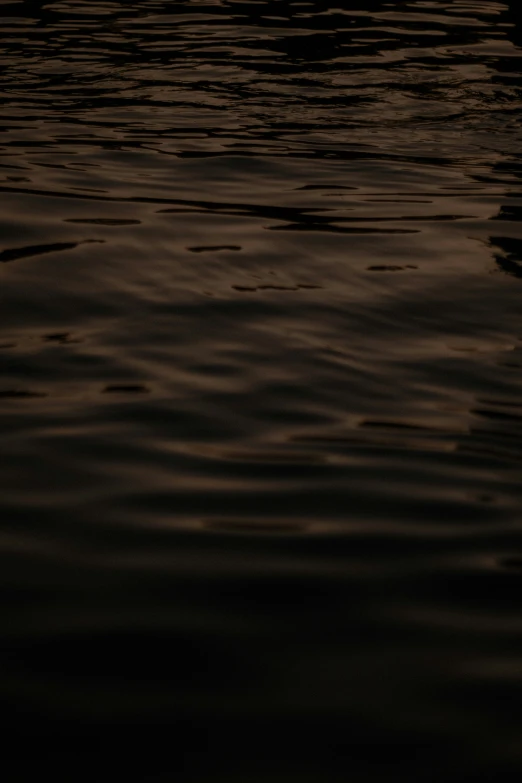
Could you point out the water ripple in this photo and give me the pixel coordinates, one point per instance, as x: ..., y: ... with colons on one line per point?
x: 260, y: 396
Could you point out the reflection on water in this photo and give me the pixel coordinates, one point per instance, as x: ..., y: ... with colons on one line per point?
x: 260, y: 396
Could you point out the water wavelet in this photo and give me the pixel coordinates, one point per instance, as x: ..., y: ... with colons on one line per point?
x: 105, y: 221
x: 122, y: 388
x: 20, y: 394
x: 13, y: 254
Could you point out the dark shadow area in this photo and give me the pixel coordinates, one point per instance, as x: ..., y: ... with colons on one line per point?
x: 510, y: 259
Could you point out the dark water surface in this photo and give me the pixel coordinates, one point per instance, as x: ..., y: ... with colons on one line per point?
x: 261, y: 390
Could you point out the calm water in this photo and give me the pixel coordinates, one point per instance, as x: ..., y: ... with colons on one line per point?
x: 261, y: 390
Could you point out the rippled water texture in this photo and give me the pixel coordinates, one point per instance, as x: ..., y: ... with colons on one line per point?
x: 260, y: 392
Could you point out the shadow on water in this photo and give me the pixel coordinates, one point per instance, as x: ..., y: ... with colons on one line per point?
x: 510, y: 260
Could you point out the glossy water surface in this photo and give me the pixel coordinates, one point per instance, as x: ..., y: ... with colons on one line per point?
x: 260, y: 392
